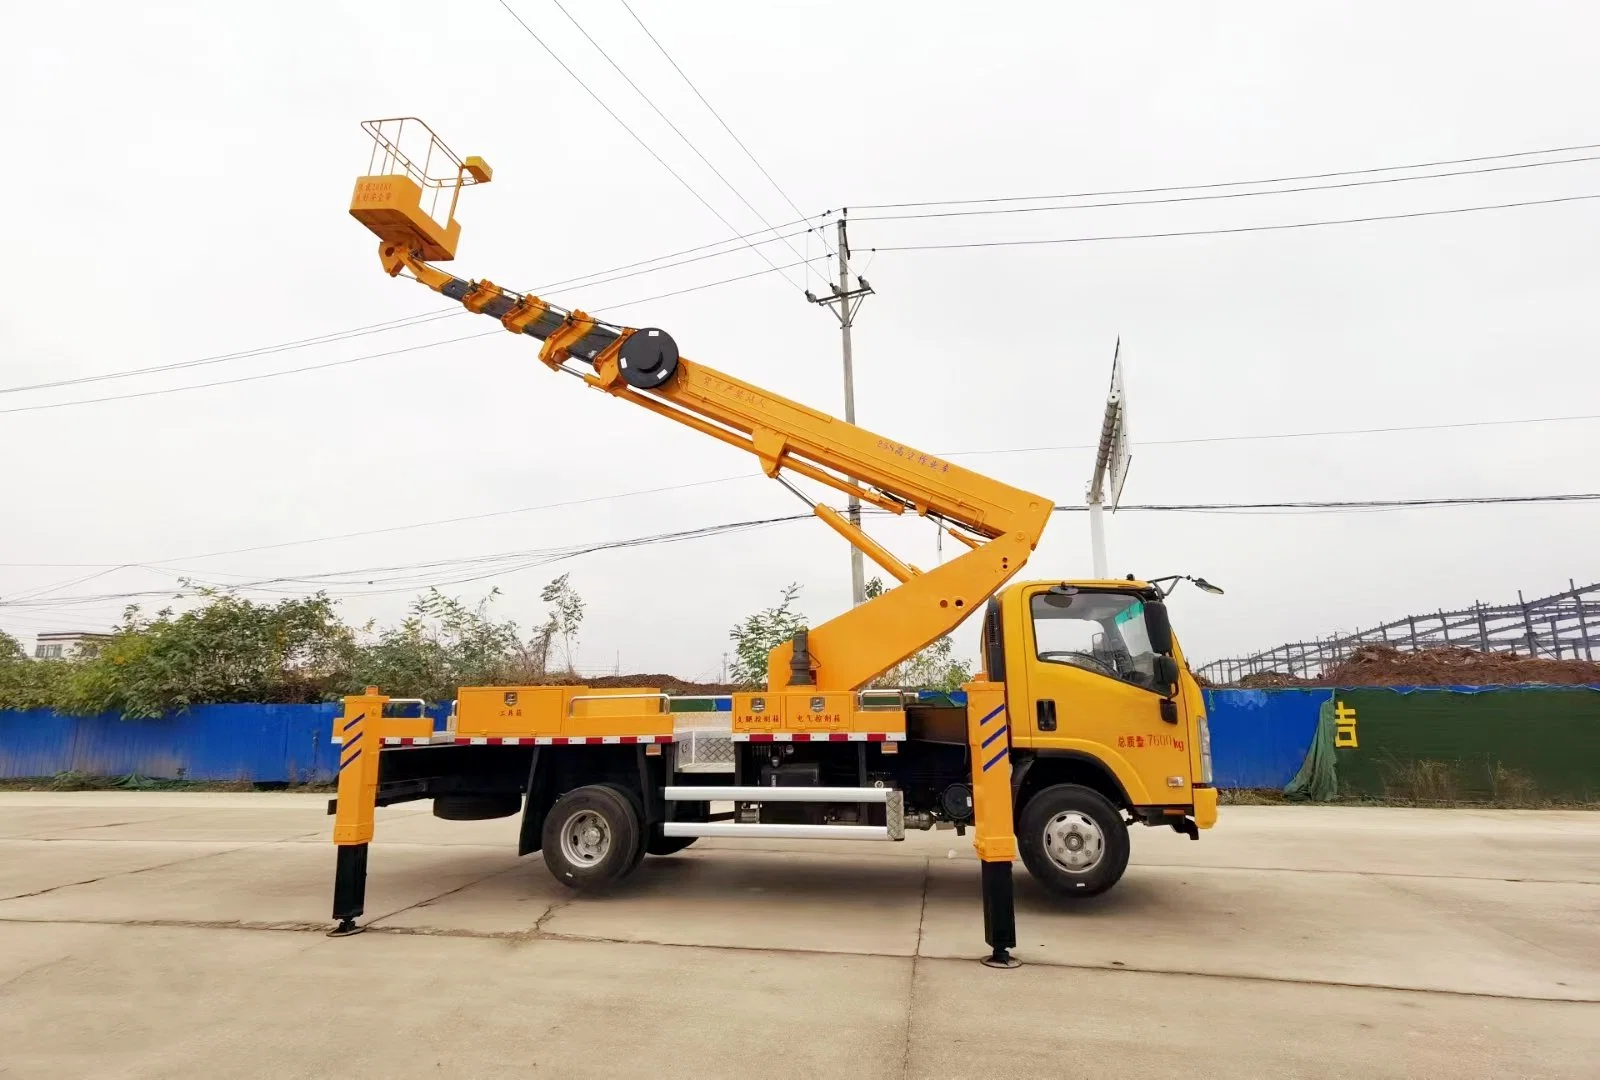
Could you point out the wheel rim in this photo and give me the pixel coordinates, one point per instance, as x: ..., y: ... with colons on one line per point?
x: 1074, y: 842
x: 585, y: 838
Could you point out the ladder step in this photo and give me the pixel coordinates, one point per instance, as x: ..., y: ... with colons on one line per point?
x: 746, y: 793
x: 777, y: 832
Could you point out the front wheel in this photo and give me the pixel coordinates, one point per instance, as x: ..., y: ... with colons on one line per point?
x: 591, y: 837
x: 1073, y: 841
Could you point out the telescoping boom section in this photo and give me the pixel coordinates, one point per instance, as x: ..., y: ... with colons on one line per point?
x: 602, y: 777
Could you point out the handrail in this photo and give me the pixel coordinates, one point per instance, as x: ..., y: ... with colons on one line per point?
x: 616, y: 697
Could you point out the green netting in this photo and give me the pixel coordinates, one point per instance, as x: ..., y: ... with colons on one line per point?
x: 1516, y: 746
x: 695, y: 703
x: 1318, y: 779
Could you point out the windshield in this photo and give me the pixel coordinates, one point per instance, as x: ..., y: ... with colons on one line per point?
x: 1102, y: 632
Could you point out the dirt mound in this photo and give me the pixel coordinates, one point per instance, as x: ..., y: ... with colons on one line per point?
x: 1272, y: 680
x: 669, y: 684
x: 1385, y: 665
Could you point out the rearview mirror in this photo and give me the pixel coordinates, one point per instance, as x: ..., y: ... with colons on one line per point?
x: 1158, y: 626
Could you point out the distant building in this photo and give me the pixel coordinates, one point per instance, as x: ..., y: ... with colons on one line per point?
x: 62, y: 646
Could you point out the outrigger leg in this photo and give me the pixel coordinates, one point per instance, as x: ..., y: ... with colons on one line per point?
x: 359, y: 732
x: 989, y: 737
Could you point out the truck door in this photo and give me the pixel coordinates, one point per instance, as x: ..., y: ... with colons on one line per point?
x: 1090, y: 688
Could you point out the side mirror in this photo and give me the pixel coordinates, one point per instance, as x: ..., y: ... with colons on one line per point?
x: 1166, y: 672
x: 1158, y: 626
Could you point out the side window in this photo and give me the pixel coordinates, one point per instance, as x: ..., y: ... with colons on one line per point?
x: 1100, y: 632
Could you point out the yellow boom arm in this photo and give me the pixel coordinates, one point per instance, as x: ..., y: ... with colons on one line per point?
x: 1000, y: 524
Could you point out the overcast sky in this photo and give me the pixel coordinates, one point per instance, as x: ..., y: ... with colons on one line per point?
x: 179, y: 177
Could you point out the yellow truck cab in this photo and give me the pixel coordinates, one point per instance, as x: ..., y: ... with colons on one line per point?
x: 1107, y: 728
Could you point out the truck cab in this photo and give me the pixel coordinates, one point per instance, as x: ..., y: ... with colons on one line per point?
x: 1108, y: 726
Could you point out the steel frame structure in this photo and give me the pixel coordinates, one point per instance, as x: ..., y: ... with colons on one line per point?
x: 1562, y: 626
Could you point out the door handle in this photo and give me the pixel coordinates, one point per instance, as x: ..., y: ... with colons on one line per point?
x: 1046, y: 712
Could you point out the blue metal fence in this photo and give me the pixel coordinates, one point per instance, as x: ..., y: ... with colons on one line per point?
x: 261, y: 743
x: 1260, y: 737
x: 1258, y: 740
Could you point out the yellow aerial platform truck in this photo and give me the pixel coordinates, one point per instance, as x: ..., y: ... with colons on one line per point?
x: 1084, y: 720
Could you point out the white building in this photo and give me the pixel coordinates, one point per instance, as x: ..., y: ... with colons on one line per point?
x: 65, y: 645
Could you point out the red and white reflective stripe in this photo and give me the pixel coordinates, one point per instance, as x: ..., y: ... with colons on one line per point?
x: 600, y: 740
x: 819, y: 736
x: 520, y: 740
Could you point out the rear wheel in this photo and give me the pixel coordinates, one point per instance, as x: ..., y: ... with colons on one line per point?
x: 591, y: 837
x: 638, y: 809
x: 1073, y: 841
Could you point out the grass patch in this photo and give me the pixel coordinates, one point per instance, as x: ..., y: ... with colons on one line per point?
x: 1250, y: 797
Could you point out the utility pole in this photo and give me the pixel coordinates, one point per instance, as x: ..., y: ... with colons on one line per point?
x: 844, y: 302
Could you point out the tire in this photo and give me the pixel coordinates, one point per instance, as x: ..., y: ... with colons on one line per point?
x: 591, y: 837
x: 1073, y: 841
x: 476, y: 807
x: 638, y: 810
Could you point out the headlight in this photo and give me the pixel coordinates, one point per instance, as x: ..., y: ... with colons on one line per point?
x: 1205, y: 749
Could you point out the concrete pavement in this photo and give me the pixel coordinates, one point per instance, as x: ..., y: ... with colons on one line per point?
x: 179, y: 934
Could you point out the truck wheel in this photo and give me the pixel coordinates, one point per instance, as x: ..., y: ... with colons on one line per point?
x: 669, y: 845
x: 475, y: 807
x: 638, y: 810
x: 1073, y: 841
x: 591, y: 837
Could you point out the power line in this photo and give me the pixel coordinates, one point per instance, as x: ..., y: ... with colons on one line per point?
x: 1352, y: 504
x: 390, y: 352
x: 503, y: 563
x: 617, y: 273
x: 1236, y: 183
x: 1289, y: 435
x: 451, y: 520
x: 680, y: 262
x: 707, y: 285
x: 681, y: 74
x: 583, y: 279
x: 197, y: 556
x: 1224, y: 195
x: 1237, y: 229
x: 403, y: 323
x: 675, y: 130
x: 247, y: 378
x: 264, y: 350
x: 156, y: 564
x: 522, y: 560
x: 659, y: 159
